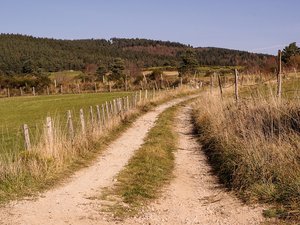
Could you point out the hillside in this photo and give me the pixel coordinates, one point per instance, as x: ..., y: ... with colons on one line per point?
x: 20, y: 54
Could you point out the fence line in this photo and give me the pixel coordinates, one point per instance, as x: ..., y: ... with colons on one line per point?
x: 107, y: 116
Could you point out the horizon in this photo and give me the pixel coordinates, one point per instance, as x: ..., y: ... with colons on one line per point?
x: 256, y: 26
x: 68, y: 39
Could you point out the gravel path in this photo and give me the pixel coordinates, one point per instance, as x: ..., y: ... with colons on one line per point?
x: 72, y: 202
x: 194, y: 196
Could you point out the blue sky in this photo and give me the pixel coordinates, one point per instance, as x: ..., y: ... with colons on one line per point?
x: 252, y: 25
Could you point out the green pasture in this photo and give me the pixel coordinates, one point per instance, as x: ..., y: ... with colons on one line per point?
x: 14, y: 112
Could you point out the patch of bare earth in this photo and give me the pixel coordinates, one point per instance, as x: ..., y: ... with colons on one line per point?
x: 195, y: 196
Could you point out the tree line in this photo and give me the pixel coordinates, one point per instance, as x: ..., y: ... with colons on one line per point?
x: 30, y: 59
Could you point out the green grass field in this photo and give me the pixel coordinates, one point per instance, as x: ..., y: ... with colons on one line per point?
x: 14, y: 112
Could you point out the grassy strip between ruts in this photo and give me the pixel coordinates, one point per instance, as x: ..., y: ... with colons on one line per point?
x: 149, y: 169
x: 46, y: 174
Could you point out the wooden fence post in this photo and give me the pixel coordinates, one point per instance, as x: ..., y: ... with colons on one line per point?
x: 112, y: 111
x: 236, y: 85
x: 113, y: 107
x: 21, y: 91
x: 49, y: 128
x: 279, y: 75
x: 107, y: 112
x: 98, y: 116
x: 70, y: 124
x: 135, y: 99
x: 140, y: 99
x: 103, y: 115
x: 127, y: 103
x: 146, y: 95
x: 33, y: 91
x: 92, y: 117
x: 26, y: 137
x: 82, y: 121
x: 121, y: 105
x: 220, y: 86
x: 48, y: 92
x: 211, y: 83
x: 61, y: 89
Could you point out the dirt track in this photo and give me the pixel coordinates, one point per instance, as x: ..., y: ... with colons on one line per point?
x: 193, y: 197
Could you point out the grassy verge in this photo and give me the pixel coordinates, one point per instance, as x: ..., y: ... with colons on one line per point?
x: 16, y: 111
x: 149, y: 169
x: 254, y: 147
x: 35, y: 173
x: 29, y: 172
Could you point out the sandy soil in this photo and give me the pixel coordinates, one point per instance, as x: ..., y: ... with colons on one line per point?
x: 193, y: 197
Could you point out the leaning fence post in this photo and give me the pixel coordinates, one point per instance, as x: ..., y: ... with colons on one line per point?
x: 279, y: 77
x: 220, y: 86
x: 82, y: 121
x: 70, y: 124
x: 26, y: 137
x: 49, y: 128
x: 236, y: 85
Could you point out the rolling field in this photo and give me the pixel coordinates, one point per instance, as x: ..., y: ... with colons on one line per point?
x: 14, y: 112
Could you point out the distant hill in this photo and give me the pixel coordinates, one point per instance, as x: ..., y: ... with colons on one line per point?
x: 20, y: 53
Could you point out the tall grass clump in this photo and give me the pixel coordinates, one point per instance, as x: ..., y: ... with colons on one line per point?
x: 254, y: 147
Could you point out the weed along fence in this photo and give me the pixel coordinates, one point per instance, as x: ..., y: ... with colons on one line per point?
x: 77, y: 128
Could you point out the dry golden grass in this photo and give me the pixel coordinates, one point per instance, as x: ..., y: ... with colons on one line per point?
x: 254, y: 147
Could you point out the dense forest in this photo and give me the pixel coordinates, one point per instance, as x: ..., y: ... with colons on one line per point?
x: 21, y: 54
